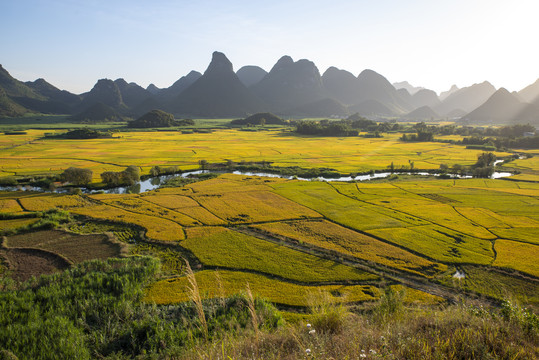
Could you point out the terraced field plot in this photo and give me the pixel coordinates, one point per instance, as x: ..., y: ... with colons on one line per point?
x: 224, y: 248
x: 74, y: 248
x: 330, y: 236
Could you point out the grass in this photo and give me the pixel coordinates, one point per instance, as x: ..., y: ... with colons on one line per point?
x: 499, y: 285
x: 221, y: 247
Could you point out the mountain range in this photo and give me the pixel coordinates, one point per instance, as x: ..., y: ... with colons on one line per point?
x: 291, y: 88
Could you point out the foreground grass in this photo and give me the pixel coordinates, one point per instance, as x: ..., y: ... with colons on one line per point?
x: 95, y: 310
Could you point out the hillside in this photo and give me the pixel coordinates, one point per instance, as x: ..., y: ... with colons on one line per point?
x: 178, y: 87
x: 467, y: 99
x: 500, y: 108
x: 97, y: 112
x: 371, y: 108
x: 530, y: 93
x: 321, y: 108
x: 341, y: 85
x: 373, y: 86
x: 104, y: 91
x: 422, y: 113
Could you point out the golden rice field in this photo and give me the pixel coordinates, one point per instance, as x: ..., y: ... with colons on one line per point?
x: 421, y: 227
x: 327, y: 235
x: 518, y: 256
x: 231, y: 282
x: 224, y: 248
x: 34, y: 155
x: 250, y: 228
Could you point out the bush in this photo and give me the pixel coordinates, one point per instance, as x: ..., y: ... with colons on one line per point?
x: 77, y: 176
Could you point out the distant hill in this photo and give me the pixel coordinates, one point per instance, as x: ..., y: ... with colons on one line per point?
x: 97, y: 112
x: 15, y: 88
x: 132, y: 94
x: 290, y: 84
x: 152, y: 89
x: 290, y: 88
x: 422, y: 113
x: 341, y: 85
x: 425, y: 97
x: 444, y: 94
x: 8, y: 107
x: 250, y: 75
x: 52, y: 93
x: 104, y: 91
x: 467, y: 99
x: 178, y: 87
x: 38, y: 96
x: 321, y: 108
x: 373, y: 86
x: 406, y: 85
x: 217, y: 93
x: 500, y: 108
x: 530, y: 114
x: 530, y: 93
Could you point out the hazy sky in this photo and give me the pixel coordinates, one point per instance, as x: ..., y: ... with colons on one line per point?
x: 430, y: 43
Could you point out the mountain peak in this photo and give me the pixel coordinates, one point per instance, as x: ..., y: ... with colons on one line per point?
x: 219, y: 63
x: 283, y: 62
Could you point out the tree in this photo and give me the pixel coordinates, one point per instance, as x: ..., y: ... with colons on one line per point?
x: 127, y: 177
x: 203, y: 164
x: 485, y: 159
x: 130, y: 175
x: 77, y: 176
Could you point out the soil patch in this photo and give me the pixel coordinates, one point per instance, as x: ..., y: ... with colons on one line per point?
x: 25, y: 263
x: 73, y: 247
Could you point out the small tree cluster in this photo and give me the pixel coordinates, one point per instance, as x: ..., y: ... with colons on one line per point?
x: 159, y: 170
x: 77, y: 176
x: 127, y: 177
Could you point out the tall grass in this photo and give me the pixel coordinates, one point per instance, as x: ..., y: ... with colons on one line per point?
x: 194, y: 294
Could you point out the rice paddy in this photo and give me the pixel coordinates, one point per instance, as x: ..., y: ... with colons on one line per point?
x: 288, y: 239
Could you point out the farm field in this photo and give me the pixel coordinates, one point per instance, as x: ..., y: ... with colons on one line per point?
x: 290, y: 238
x: 34, y: 155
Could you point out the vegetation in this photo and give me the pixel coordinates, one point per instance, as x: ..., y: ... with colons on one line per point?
x: 128, y: 176
x: 77, y: 176
x: 354, y: 253
x: 259, y: 119
x: 325, y: 129
x: 158, y: 119
x: 86, y: 133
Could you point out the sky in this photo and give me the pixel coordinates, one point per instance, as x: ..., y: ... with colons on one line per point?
x: 429, y: 43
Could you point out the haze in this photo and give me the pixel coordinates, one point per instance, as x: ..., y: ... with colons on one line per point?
x: 428, y: 43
